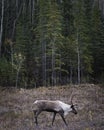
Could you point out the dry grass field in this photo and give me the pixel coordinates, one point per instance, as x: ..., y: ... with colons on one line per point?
x: 16, y: 108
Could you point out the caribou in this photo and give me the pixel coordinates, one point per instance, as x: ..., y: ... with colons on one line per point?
x: 56, y: 106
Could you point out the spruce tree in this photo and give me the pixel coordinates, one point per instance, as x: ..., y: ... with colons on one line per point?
x: 97, y: 43
x: 83, y: 40
x: 48, y: 35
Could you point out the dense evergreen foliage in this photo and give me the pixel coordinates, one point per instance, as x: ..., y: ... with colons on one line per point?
x: 51, y: 42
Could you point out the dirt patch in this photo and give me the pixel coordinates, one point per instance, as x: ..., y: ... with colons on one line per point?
x: 16, y: 108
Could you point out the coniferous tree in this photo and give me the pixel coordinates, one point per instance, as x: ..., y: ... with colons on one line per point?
x: 49, y: 31
x: 68, y: 47
x: 24, y: 48
x: 1, y: 25
x: 97, y: 42
x: 83, y: 42
x: 54, y: 39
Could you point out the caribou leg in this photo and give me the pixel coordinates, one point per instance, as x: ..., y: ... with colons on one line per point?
x: 36, y: 113
x: 54, y: 114
x: 62, y: 115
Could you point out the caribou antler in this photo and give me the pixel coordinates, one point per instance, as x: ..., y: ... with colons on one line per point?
x: 72, y: 101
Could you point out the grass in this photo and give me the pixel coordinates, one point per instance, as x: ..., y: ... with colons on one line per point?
x: 16, y: 108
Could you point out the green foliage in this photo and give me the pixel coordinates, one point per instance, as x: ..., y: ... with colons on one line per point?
x: 7, y: 73
x: 97, y: 43
x: 46, y: 42
x: 24, y: 47
x: 83, y: 28
x: 48, y: 37
x: 68, y: 19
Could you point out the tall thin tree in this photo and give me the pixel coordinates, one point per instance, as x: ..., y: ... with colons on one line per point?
x: 1, y: 26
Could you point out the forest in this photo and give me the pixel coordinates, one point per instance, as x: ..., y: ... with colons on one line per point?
x: 51, y: 42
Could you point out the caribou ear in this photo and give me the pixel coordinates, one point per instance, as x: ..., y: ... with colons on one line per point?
x: 75, y: 105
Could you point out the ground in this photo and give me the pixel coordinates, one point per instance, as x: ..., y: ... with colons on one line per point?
x: 16, y: 108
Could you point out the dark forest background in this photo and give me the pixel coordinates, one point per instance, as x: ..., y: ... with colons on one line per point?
x: 51, y: 42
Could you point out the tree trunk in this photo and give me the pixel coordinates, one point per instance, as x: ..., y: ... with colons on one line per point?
x: 16, y: 6
x: 101, y: 5
x: 78, y: 56
x: 15, y: 21
x: 53, y: 63
x: 1, y: 28
x: 44, y: 61
x: 71, y: 72
x: 43, y: 43
x: 18, y: 70
x: 32, y: 11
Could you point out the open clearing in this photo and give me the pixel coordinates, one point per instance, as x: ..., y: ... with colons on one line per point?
x: 16, y: 108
